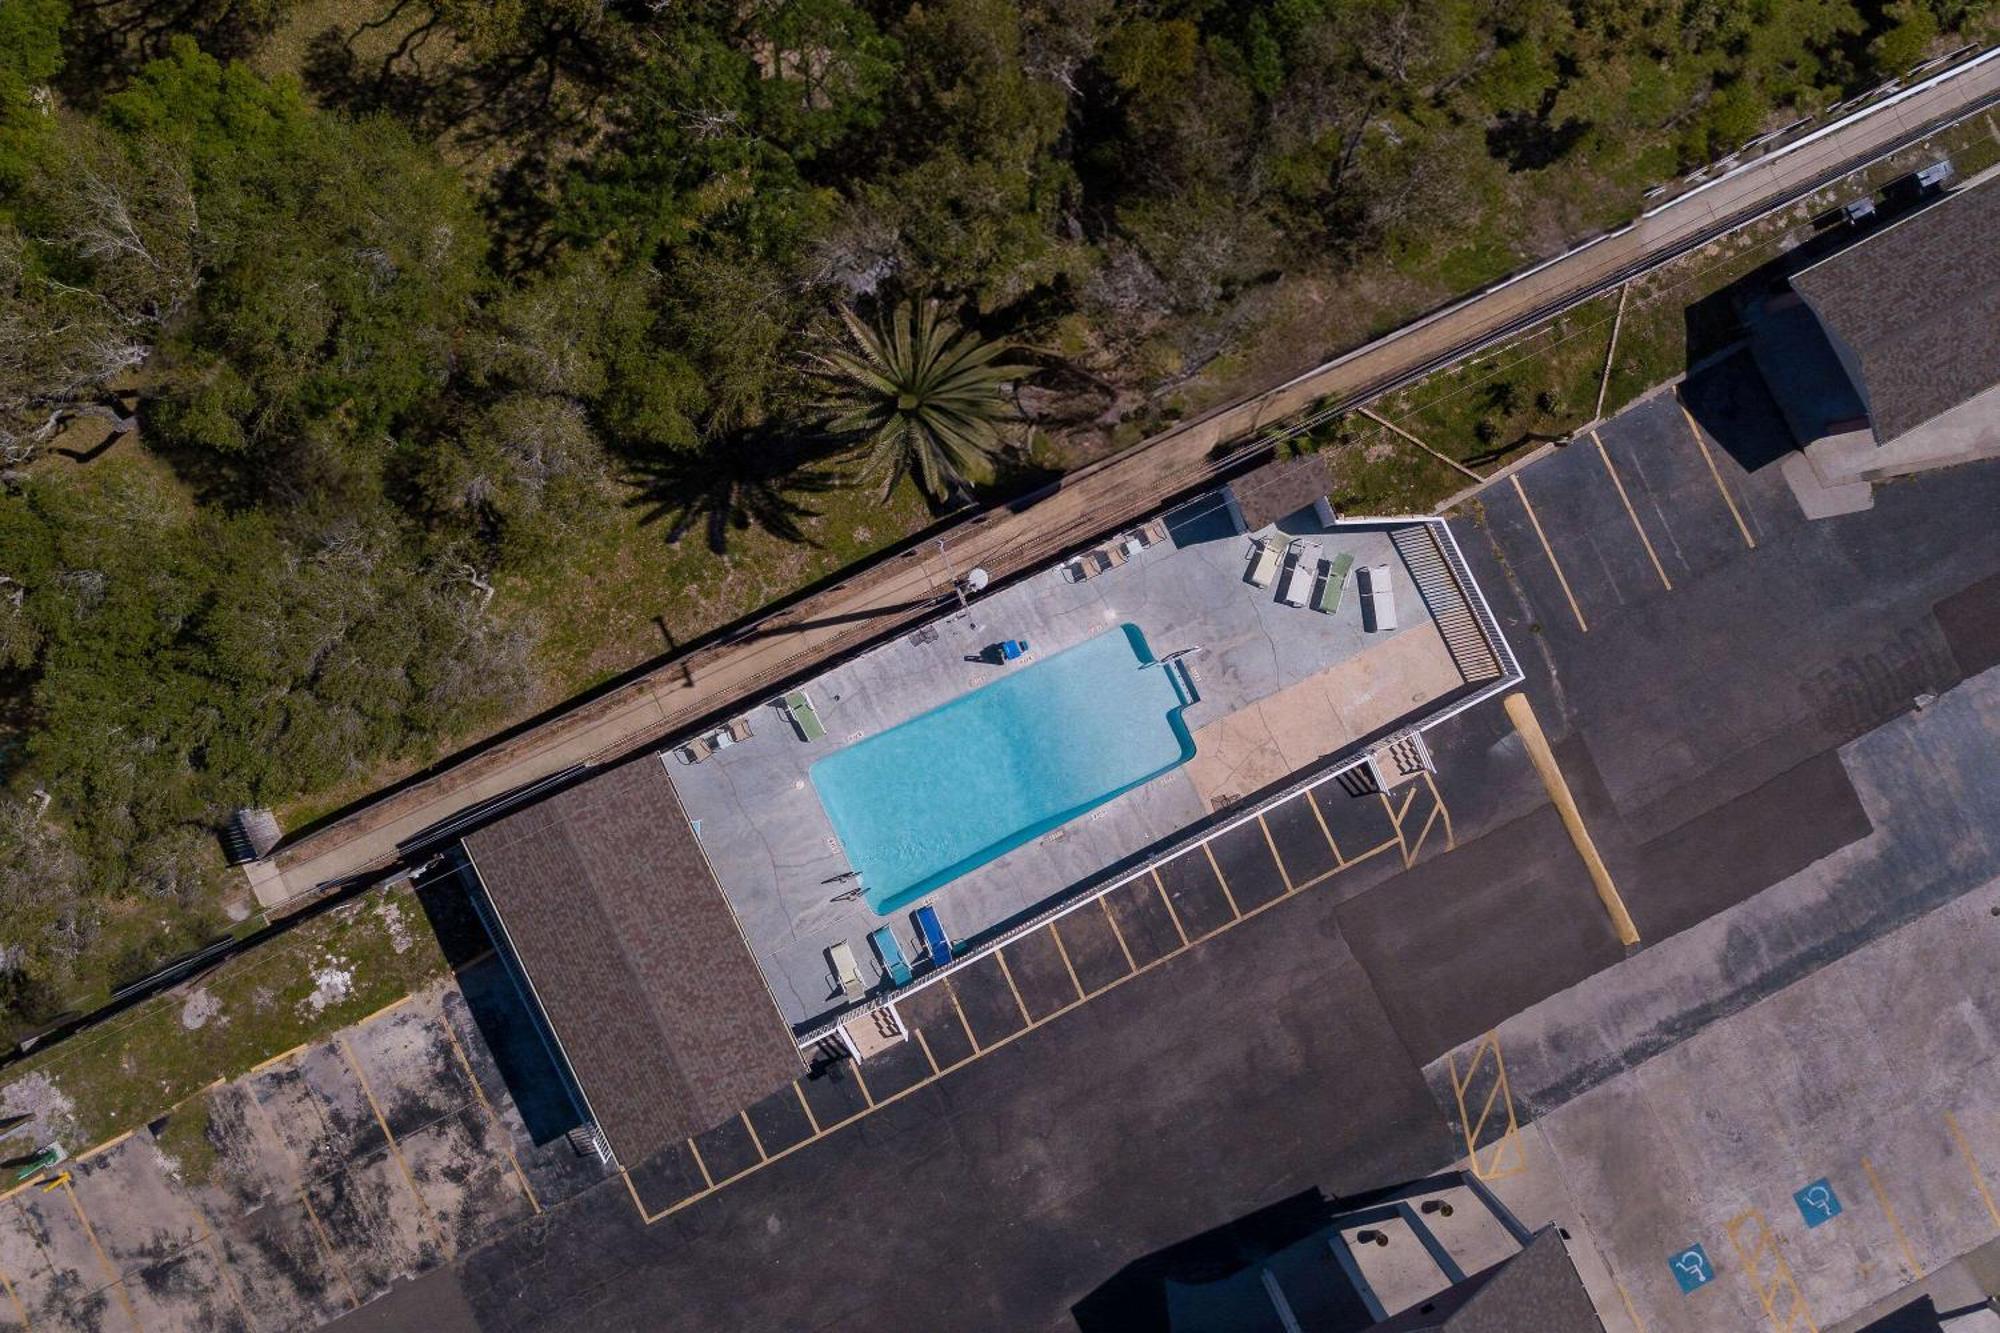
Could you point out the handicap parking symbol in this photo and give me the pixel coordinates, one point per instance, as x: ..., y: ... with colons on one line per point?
x: 1691, y: 1268
x: 1817, y: 1203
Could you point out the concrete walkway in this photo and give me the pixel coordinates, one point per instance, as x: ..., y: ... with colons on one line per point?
x: 1093, y: 500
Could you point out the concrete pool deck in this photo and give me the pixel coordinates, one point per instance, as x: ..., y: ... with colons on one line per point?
x: 1281, y: 688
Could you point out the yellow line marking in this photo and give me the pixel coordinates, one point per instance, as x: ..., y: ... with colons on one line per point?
x: 1550, y: 552
x: 1131, y: 966
x: 925, y: 1047
x: 693, y: 1148
x: 1626, y: 1296
x: 1276, y: 859
x: 1339, y: 861
x: 1450, y: 838
x: 222, y: 1269
x: 1782, y: 1280
x: 1632, y: 513
x: 1008, y: 972
x: 280, y: 1057
x: 103, y: 1147
x: 1422, y: 834
x: 1522, y: 714
x: 1895, y: 1223
x: 15, y: 1297
x: 633, y: 1190
x: 963, y: 1021
x: 117, y: 1281
x: 387, y: 1008
x: 1222, y: 879
x: 493, y: 1116
x: 806, y: 1106
x: 1396, y: 822
x: 1068, y: 966
x: 1972, y: 1166
x: 1179, y: 929
x: 862, y: 1084
x: 1716, y: 473
x: 755, y: 1141
x: 1501, y: 1095
x: 333, y: 1256
x: 340, y: 1044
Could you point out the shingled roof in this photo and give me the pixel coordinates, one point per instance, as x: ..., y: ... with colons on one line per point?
x: 1914, y: 310
x: 635, y: 958
x: 1280, y: 489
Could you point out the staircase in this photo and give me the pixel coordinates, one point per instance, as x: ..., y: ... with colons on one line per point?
x: 1465, y: 628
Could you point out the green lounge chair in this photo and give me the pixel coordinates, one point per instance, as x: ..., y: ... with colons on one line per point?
x: 799, y: 706
x: 1334, y: 586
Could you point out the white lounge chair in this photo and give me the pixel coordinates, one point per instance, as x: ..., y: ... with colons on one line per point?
x: 1299, y: 579
x: 1382, y: 598
x: 846, y: 971
x: 1263, y: 564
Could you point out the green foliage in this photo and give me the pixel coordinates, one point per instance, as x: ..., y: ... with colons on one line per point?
x: 921, y: 395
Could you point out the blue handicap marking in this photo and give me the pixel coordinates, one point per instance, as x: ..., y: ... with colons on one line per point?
x: 1692, y: 1268
x: 1817, y: 1203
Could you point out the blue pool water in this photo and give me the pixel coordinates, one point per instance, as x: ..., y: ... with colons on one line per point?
x: 943, y: 793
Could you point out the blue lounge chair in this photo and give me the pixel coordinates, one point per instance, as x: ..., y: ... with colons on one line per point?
x: 935, y: 940
x: 891, y: 954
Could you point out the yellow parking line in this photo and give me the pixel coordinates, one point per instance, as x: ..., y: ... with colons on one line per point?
x: 279, y: 1058
x: 1339, y: 861
x: 959, y: 1009
x: 493, y: 1116
x: 1276, y: 859
x: 1068, y: 966
x: 1895, y: 1223
x: 1550, y: 552
x: 395, y: 1150
x: 1716, y: 473
x: 222, y: 1269
x: 1632, y: 513
x: 1522, y: 714
x: 755, y: 1141
x: 390, y: 1007
x: 1631, y: 1313
x: 1179, y: 929
x: 925, y: 1047
x: 1008, y: 972
x: 1450, y: 838
x: 1500, y: 1095
x: 332, y: 1255
x: 15, y: 1297
x: 1396, y: 822
x: 1972, y: 1166
x: 862, y: 1084
x: 806, y: 1106
x: 696, y: 1150
x: 103, y: 1147
x: 1784, y: 1315
x: 117, y: 1282
x: 1104, y: 901
x: 1235, y: 912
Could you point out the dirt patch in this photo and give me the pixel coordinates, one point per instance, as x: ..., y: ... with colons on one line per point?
x: 198, y: 1009
x: 332, y: 980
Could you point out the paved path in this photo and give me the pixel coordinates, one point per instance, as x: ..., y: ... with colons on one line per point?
x: 1093, y: 500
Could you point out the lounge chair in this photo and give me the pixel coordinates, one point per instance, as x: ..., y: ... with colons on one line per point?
x: 799, y: 707
x: 738, y: 730
x: 1382, y: 598
x: 695, y: 750
x: 1153, y: 533
x: 894, y: 965
x: 1263, y: 564
x: 1074, y: 572
x: 846, y: 972
x: 1334, y: 586
x: 936, y: 943
x: 1112, y: 554
x: 1299, y: 579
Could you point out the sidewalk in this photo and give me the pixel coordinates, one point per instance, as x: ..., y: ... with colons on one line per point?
x: 1090, y: 501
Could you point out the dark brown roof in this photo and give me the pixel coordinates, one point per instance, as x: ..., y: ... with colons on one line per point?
x: 1281, y: 488
x: 610, y: 909
x: 1917, y: 306
x: 1535, y: 1291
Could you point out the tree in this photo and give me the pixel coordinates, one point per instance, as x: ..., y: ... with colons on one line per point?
x: 922, y: 396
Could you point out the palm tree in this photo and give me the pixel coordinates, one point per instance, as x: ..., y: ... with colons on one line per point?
x: 922, y: 394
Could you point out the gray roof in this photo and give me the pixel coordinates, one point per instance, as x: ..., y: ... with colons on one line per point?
x: 1917, y: 305
x: 1281, y: 488
x: 1535, y: 1291
x: 632, y: 952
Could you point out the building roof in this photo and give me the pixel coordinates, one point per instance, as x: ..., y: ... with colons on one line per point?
x: 1917, y: 307
x: 1534, y: 1291
x: 635, y: 958
x: 1280, y: 489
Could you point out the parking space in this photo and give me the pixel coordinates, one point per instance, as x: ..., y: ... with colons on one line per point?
x: 988, y: 1002
x: 313, y: 1184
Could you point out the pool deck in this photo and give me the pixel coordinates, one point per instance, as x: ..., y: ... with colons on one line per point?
x: 1281, y: 688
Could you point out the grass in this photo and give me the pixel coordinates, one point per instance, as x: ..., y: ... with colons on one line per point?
x: 154, y: 1059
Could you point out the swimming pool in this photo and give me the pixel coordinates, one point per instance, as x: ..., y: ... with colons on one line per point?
x: 947, y: 791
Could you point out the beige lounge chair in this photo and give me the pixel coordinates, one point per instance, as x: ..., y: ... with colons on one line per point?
x: 1382, y: 598
x: 695, y: 750
x: 846, y: 972
x: 1299, y: 579
x: 1263, y: 564
x: 738, y: 729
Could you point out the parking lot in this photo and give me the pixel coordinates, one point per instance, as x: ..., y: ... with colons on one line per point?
x: 328, y: 1174
x: 1100, y: 943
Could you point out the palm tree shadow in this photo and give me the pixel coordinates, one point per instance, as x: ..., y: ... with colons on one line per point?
x: 749, y: 483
